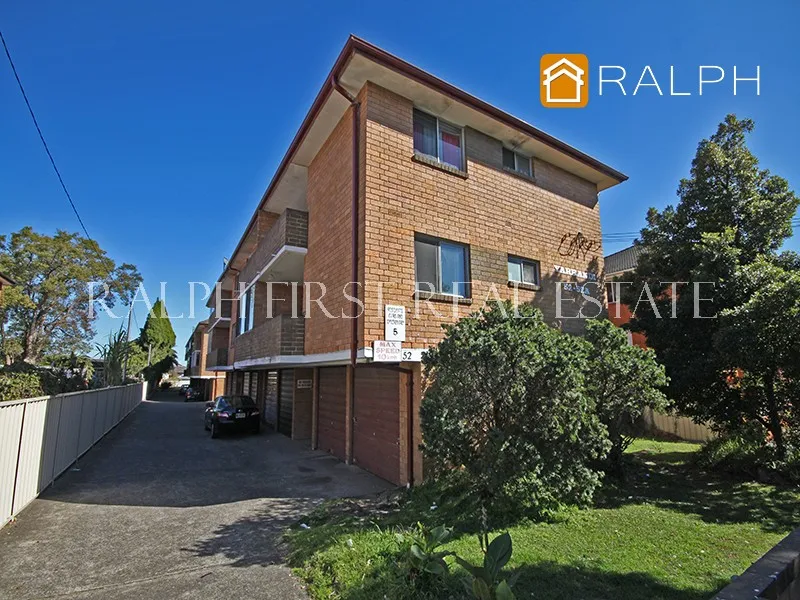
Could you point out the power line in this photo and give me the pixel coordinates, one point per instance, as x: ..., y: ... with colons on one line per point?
x: 41, y: 135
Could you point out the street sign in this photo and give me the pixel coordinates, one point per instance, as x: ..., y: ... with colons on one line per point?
x: 394, y: 322
x: 387, y: 351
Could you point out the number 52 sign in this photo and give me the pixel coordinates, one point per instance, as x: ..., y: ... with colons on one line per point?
x: 394, y: 323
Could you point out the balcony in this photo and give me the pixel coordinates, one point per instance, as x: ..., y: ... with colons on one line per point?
x: 217, y: 358
x: 280, y: 255
x: 279, y: 336
x: 224, y: 314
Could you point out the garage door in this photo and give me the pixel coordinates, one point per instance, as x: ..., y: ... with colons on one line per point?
x: 286, y: 401
x: 271, y: 398
x: 331, y: 407
x: 376, y: 426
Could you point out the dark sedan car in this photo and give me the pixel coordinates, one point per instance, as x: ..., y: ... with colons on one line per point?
x: 192, y: 395
x: 232, y: 412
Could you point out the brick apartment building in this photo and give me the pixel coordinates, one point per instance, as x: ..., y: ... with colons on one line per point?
x: 423, y: 194
x: 198, y: 349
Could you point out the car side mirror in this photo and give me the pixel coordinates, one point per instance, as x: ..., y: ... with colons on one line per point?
x: 209, y: 404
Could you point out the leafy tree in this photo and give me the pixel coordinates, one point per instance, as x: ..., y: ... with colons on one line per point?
x: 506, y: 400
x: 730, y: 214
x: 48, y: 311
x: 157, y: 332
x: 623, y: 380
x: 157, y: 339
x: 758, y: 342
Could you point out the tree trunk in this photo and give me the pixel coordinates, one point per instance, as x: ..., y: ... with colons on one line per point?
x: 775, y: 425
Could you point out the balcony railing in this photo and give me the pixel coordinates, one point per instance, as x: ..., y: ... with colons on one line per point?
x: 282, y: 251
x: 217, y: 358
x: 281, y: 335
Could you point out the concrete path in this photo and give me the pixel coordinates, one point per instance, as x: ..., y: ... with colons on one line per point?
x: 160, y: 510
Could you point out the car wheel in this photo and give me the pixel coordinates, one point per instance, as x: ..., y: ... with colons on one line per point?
x: 214, y: 430
x: 205, y: 425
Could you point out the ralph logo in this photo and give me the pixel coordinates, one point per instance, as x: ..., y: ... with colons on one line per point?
x: 564, y: 80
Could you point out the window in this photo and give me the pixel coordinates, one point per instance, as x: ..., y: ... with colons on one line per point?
x: 236, y: 402
x: 247, y: 309
x: 442, y: 267
x: 514, y: 161
x: 438, y: 139
x: 521, y: 270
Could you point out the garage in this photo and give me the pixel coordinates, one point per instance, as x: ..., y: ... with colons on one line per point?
x: 286, y: 401
x: 331, y: 410
x: 271, y: 398
x: 376, y: 423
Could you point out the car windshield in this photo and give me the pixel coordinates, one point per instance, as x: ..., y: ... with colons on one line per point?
x: 238, y: 401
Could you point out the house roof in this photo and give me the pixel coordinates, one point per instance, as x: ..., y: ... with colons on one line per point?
x: 5, y: 280
x: 622, y: 261
x: 360, y: 61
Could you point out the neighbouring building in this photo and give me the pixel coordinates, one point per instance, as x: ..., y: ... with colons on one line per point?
x: 430, y: 199
x: 618, y: 313
x: 200, y: 376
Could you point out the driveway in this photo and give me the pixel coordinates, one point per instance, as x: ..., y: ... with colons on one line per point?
x: 160, y: 510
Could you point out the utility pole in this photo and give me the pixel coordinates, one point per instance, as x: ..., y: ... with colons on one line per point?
x: 149, y: 353
x: 127, y: 344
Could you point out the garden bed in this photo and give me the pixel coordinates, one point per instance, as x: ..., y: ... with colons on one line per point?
x: 671, y: 532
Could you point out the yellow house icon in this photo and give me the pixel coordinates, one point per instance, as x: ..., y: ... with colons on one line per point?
x: 564, y: 80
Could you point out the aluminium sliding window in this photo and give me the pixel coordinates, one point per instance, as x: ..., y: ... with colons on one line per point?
x: 514, y: 161
x: 439, y: 139
x: 522, y: 270
x: 441, y: 266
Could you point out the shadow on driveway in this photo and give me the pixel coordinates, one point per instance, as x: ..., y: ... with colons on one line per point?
x: 158, y: 509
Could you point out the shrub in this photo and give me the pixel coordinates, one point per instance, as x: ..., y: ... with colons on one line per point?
x: 747, y: 451
x: 19, y: 385
x: 165, y: 385
x: 506, y: 401
x: 623, y: 381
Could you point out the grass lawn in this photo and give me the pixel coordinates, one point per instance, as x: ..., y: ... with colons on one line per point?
x: 671, y: 532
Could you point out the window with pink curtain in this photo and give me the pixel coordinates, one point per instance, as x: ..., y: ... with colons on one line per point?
x: 450, y: 138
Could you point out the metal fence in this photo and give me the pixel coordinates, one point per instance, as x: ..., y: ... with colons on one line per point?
x: 41, y: 437
x: 681, y: 427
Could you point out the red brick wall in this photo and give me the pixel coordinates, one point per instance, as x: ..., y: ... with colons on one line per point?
x: 495, y: 212
x: 329, y: 199
x: 619, y: 314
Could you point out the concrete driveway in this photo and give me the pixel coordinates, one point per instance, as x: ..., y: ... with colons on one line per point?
x: 160, y: 510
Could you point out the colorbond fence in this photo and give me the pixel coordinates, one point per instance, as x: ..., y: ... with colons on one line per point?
x: 41, y: 437
x: 681, y: 427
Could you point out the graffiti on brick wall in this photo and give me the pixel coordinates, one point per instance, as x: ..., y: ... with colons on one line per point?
x: 577, y: 245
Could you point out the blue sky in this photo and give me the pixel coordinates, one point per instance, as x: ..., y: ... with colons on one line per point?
x: 168, y: 119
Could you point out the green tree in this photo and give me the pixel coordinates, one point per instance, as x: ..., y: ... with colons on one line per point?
x: 730, y: 214
x: 51, y: 309
x: 157, y: 339
x: 623, y: 380
x: 758, y: 342
x: 506, y: 400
